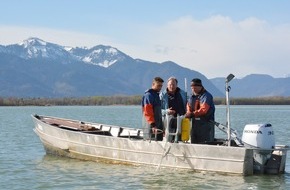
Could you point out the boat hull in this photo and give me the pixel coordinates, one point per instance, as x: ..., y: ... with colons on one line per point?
x: 136, y: 151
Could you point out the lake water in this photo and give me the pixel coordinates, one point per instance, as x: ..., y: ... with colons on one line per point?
x: 24, y: 164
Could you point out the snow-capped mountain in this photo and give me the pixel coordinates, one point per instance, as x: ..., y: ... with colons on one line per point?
x: 101, y: 55
x: 35, y: 68
x: 31, y: 48
x: 37, y: 48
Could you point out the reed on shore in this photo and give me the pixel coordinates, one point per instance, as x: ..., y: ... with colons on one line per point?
x: 127, y: 100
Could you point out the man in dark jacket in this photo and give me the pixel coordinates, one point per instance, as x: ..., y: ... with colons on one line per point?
x: 201, y: 109
x: 151, y: 109
x: 173, y: 103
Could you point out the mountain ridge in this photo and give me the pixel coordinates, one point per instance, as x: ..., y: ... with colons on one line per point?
x: 35, y: 68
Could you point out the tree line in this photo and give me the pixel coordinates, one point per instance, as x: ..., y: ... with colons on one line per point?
x: 127, y: 100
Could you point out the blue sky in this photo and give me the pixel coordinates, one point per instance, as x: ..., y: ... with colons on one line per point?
x: 214, y: 37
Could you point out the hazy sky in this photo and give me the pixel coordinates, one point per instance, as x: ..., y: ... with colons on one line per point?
x: 214, y: 37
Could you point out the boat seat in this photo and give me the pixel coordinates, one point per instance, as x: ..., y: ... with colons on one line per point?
x: 129, y: 133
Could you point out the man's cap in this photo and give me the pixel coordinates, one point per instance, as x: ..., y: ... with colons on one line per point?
x: 196, y: 82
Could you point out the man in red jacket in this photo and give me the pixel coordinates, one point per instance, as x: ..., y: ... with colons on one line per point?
x: 201, y: 109
x: 151, y: 109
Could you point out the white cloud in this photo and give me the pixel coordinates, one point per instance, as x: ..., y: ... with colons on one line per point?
x: 217, y: 46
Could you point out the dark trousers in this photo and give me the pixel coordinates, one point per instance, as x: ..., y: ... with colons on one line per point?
x: 200, y: 132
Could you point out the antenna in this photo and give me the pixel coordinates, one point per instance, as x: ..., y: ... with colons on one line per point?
x: 228, y: 79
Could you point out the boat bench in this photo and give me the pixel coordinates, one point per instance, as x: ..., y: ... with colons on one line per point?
x: 121, y: 131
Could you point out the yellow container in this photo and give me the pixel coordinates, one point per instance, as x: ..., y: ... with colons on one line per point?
x: 185, y: 129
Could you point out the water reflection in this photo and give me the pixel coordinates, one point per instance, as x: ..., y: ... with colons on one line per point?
x: 65, y: 172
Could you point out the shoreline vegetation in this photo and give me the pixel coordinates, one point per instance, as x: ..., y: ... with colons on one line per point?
x: 127, y: 100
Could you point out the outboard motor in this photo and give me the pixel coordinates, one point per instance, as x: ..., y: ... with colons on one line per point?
x: 260, y: 137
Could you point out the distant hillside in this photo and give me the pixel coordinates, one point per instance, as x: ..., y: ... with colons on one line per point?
x: 256, y: 85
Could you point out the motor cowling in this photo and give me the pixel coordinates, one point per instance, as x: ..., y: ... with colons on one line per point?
x: 259, y: 136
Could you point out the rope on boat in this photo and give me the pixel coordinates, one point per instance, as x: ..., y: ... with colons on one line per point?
x: 166, y: 151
